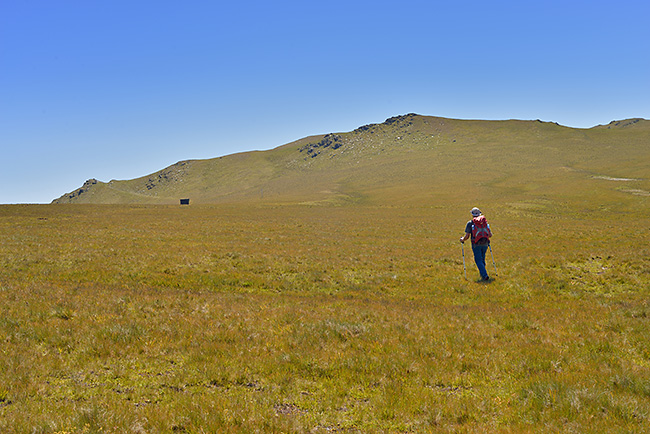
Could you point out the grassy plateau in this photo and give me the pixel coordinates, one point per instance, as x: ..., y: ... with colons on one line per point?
x: 244, y: 318
x: 319, y: 288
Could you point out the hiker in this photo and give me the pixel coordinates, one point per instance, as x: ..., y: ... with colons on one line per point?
x: 479, y: 230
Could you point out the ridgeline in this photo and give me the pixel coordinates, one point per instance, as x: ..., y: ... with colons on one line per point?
x: 409, y: 159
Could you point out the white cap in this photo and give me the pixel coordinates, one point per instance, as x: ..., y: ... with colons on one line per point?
x: 476, y: 212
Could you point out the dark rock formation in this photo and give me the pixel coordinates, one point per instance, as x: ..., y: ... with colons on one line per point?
x: 332, y: 141
x: 84, y: 188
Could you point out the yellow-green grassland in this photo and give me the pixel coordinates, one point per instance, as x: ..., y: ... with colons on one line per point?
x: 349, y: 313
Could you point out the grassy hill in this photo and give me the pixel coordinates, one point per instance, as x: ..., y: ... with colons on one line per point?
x: 409, y: 159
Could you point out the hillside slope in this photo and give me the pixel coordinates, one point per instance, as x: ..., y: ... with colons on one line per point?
x: 410, y: 159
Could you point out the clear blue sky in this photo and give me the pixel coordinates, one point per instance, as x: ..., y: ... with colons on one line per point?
x: 114, y: 89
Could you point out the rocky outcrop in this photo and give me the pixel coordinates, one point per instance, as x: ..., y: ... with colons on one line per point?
x: 623, y: 123
x: 173, y: 173
x: 331, y: 141
x: 86, y: 187
x: 401, y: 121
x: 336, y: 141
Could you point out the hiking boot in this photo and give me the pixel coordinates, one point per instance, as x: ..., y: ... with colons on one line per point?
x: 486, y: 278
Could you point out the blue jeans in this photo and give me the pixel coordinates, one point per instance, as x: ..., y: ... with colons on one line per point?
x: 479, y: 258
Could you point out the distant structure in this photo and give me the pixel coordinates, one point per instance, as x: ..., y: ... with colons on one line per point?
x: 185, y: 201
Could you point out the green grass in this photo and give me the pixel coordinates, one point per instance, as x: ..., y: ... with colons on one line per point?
x: 270, y: 319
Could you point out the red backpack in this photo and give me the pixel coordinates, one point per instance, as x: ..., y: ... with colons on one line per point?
x: 480, y: 229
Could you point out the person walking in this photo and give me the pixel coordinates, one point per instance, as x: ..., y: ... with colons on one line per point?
x: 478, y: 230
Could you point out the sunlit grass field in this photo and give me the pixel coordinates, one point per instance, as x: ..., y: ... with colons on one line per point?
x: 319, y: 319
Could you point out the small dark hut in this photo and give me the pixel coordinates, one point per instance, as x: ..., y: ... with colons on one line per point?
x: 185, y: 201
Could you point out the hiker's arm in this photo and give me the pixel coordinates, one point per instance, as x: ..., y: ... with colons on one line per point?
x: 467, y: 235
